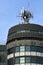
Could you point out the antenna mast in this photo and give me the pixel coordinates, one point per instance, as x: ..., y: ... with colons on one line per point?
x: 26, y: 15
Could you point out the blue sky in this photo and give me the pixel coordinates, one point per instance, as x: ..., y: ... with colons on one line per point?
x: 9, y: 10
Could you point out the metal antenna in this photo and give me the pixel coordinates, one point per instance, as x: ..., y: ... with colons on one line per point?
x: 22, y: 10
x: 25, y: 15
x: 28, y: 6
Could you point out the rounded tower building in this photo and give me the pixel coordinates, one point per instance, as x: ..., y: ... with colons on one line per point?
x: 25, y: 43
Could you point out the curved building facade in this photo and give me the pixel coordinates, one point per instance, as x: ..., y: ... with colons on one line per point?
x: 25, y: 45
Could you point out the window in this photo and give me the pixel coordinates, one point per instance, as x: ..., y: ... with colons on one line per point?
x: 33, y: 48
x: 11, y: 50
x: 10, y: 61
x: 2, y: 63
x: 22, y: 60
x: 38, y: 49
x: 41, y: 49
x: 17, y: 60
x: 27, y: 48
x: 27, y: 59
x: 22, y: 48
x: 17, y: 49
x: 2, y: 52
x: 39, y: 60
x: 33, y: 59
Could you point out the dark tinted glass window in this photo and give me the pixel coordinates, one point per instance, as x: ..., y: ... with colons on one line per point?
x: 17, y: 49
x: 11, y: 50
x: 39, y: 60
x: 2, y: 52
x: 33, y: 59
x: 27, y: 48
x: 41, y: 49
x: 2, y: 63
x: 17, y: 60
x: 27, y: 59
x: 10, y: 61
x: 38, y: 49
x: 33, y: 48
